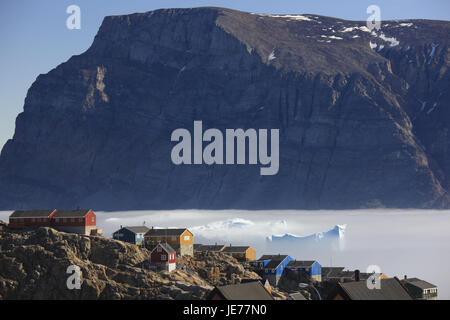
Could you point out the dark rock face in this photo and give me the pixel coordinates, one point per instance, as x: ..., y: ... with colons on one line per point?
x: 359, y: 127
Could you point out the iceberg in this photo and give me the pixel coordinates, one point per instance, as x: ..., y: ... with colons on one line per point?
x: 224, y: 224
x: 330, y: 237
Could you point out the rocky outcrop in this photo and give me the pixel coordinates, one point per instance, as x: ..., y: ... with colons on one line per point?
x: 363, y: 116
x: 33, y: 265
x: 218, y: 268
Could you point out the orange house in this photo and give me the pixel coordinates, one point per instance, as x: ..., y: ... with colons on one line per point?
x: 182, y: 240
x: 241, y: 252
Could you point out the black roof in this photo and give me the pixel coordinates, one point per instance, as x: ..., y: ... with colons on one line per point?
x: 165, y: 232
x: 390, y: 289
x: 167, y: 247
x: 350, y: 275
x: 209, y: 247
x: 332, y: 272
x: 238, y: 249
x: 271, y: 256
x: 275, y: 262
x: 305, y: 263
x: 31, y: 213
x: 70, y: 213
x: 422, y: 284
x: 136, y: 229
x: 253, y: 290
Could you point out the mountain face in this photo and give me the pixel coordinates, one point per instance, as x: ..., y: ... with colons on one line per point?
x: 363, y: 117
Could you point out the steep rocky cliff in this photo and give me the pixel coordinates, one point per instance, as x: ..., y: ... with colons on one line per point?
x: 363, y: 116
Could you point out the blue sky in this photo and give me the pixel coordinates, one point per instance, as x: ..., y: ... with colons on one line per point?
x: 34, y: 38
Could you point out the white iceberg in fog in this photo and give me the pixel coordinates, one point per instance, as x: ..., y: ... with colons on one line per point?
x: 224, y: 224
x: 330, y: 237
x: 279, y: 224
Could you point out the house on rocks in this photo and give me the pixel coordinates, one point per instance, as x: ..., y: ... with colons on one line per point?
x: 163, y: 257
x: 134, y: 234
x: 243, y: 253
x: 275, y: 269
x: 72, y: 221
x: 309, y: 269
x: 181, y: 239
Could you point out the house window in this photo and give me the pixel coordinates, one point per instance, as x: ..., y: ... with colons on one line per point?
x: 163, y: 257
x: 93, y: 219
x: 186, y: 238
x: 158, y: 249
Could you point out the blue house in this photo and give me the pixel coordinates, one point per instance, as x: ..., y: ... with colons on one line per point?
x: 261, y: 262
x: 310, y: 268
x: 131, y: 234
x: 275, y: 268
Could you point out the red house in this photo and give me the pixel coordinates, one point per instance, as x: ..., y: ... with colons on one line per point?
x: 30, y: 218
x: 74, y: 221
x: 163, y: 256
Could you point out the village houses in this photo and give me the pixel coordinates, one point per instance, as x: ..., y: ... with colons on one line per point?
x: 182, y: 240
x: 242, y: 253
x: 134, y: 234
x: 73, y: 221
x: 163, y: 257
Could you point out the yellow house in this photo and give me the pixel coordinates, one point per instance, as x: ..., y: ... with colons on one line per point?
x: 182, y: 240
x: 241, y: 252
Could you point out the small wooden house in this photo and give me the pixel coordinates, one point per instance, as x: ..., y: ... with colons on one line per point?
x: 274, y: 270
x: 309, y: 268
x: 244, y: 253
x: 420, y: 289
x: 164, y: 257
x: 75, y: 221
x: 182, y: 240
x: 133, y: 234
